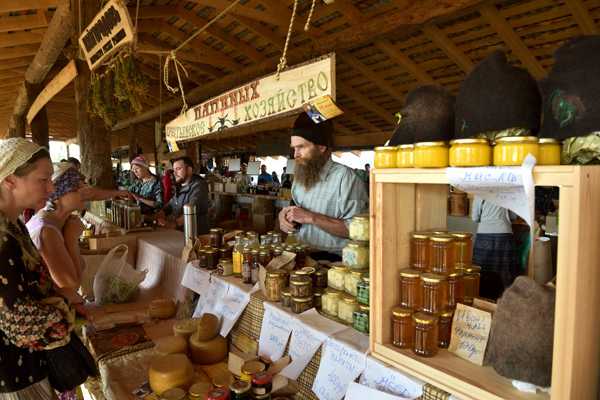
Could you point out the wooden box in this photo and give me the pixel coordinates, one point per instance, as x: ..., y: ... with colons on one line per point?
x: 406, y: 200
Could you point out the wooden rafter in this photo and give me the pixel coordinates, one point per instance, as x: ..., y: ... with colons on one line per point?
x: 582, y: 17
x: 401, y: 59
x: 358, y: 65
x: 23, y: 22
x: 15, y: 63
x: 20, y: 51
x: 22, y: 5
x: 367, y: 103
x: 20, y: 38
x: 263, y: 31
x: 452, y: 51
x: 243, y: 10
x: 514, y: 42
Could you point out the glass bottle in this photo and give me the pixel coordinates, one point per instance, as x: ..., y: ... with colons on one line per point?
x: 255, y: 266
x: 445, y: 328
x: 238, y: 255
x: 410, y: 288
x: 434, y: 293
x: 442, y: 254
x: 240, y: 390
x: 301, y: 304
x: 336, y: 276
x: 247, y: 266
x: 403, y: 328
x: 426, y: 334
x: 419, y: 251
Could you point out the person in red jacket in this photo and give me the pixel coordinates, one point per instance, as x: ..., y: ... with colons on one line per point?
x: 168, y: 187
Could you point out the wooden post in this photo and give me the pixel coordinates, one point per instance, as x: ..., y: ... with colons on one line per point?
x: 39, y: 124
x: 17, y: 126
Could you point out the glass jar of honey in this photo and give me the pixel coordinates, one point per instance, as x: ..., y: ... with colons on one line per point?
x: 352, y: 279
x: 385, y: 157
x: 403, y: 328
x: 211, y: 258
x: 463, y: 248
x: 356, y: 255
x: 434, y: 293
x: 273, y: 286
x: 301, y: 304
x: 405, y: 156
x: 346, y: 308
x: 359, y: 227
x: 320, y: 278
x: 442, y: 253
x: 410, y: 288
x: 286, y: 298
x: 301, y: 286
x: 445, y: 328
x: 471, y: 281
x: 431, y: 155
x: 336, y: 277
x: 419, y: 250
x: 215, y: 237
x: 512, y: 150
x: 318, y: 299
x: 470, y: 153
x: 426, y: 334
x: 330, y: 301
x: 456, y: 288
x: 550, y: 150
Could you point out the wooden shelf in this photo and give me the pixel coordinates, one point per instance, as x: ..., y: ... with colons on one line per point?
x: 407, y: 200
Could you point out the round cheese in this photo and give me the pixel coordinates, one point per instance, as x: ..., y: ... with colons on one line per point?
x: 185, y: 327
x: 171, y: 345
x: 162, y: 308
x: 208, y: 352
x: 170, y: 371
x: 208, y: 327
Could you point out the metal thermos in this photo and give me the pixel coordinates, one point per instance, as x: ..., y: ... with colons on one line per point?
x: 190, y: 224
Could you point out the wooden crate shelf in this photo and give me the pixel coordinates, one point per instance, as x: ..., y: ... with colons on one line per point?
x: 405, y: 200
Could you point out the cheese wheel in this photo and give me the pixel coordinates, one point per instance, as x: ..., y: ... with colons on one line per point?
x: 208, y: 327
x: 171, y: 345
x: 208, y: 352
x: 185, y: 327
x: 162, y: 308
x: 170, y: 371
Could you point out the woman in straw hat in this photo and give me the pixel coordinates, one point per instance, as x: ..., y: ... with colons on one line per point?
x: 146, y: 189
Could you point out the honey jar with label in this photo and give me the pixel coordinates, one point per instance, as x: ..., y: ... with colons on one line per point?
x: 442, y: 253
x: 403, y: 328
x: 410, y: 288
x: 419, y: 250
x: 434, y: 293
x: 426, y: 334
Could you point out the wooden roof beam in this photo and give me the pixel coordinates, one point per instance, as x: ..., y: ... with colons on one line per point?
x: 490, y: 13
x: 23, y: 5
x: 15, y: 63
x: 241, y: 9
x: 280, y: 10
x: 404, y: 61
x: 23, y: 22
x: 582, y: 17
x: 452, y: 51
x: 20, y: 38
x: 376, y: 138
x: 17, y: 52
x: 152, y: 12
x: 369, y: 104
x: 358, y: 65
x: 271, y: 36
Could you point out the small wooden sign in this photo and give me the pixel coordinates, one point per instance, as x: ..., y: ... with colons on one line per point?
x: 470, y: 333
x: 110, y: 30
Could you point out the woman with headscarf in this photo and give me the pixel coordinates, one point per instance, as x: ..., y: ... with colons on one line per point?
x: 28, y: 323
x: 146, y: 189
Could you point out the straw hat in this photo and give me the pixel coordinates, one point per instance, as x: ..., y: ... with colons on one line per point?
x: 15, y: 152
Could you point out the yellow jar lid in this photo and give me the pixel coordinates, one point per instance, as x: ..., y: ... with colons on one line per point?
x: 301, y: 272
x: 458, y: 273
x: 518, y: 139
x: 361, y: 217
x: 317, y: 294
x: 339, y: 267
x: 472, y: 269
x: 410, y: 273
x: 442, y: 238
x: 402, y: 312
x: 302, y: 299
x: 252, y: 367
x: 438, y: 232
x: 215, y: 230
x: 549, y: 141
x: 431, y: 144
x: 447, y: 313
x: 321, y: 272
x: 461, y: 235
x: 333, y: 292
x: 349, y: 300
x: 406, y: 147
x: 386, y: 148
x: 432, y: 278
x: 363, y: 307
x: 309, y: 270
x: 423, y: 318
x: 254, y: 252
x: 300, y: 283
x: 470, y: 141
x: 173, y: 394
x: 359, y: 273
x: 210, y: 251
x: 220, y: 382
x: 286, y: 292
x: 273, y: 274
x: 358, y: 243
x: 420, y: 235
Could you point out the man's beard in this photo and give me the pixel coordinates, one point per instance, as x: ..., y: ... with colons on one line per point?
x: 308, y: 173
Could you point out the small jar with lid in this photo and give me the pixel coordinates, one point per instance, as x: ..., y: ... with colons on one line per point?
x: 456, y: 288
x: 471, y: 279
x: 403, y: 328
x: 385, y: 157
x: 360, y: 319
x: 419, y: 250
x: 356, y: 255
x: 550, y: 150
x: 262, y: 384
x: 445, y: 328
x: 286, y: 297
x: 301, y: 286
x: 273, y: 286
x: 310, y: 272
x: 346, y: 308
x: 336, y: 276
x: 320, y: 278
x: 198, y: 391
x: 512, y: 150
x: 202, y: 259
x: 330, y: 302
x: 215, y: 237
x: 247, y: 262
x: 250, y: 368
x: 174, y: 394
x: 359, y: 227
x: 470, y: 153
x: 240, y: 390
x: 434, y: 293
x: 218, y: 394
x: 362, y: 290
x: 405, y: 156
x: 318, y: 299
x: 463, y: 248
x: 410, y: 288
x: 225, y: 267
x: 301, y: 304
x: 431, y: 155
x: 264, y: 258
x: 225, y: 252
x: 426, y: 334
x: 301, y: 254
x: 352, y: 280
x: 211, y: 257
x: 255, y: 269
x: 442, y: 254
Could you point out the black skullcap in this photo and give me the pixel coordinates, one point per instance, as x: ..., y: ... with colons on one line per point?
x: 427, y: 116
x: 496, y: 96
x: 320, y: 134
x: 571, y: 92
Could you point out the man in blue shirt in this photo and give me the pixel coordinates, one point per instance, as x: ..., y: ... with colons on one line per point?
x: 264, y: 178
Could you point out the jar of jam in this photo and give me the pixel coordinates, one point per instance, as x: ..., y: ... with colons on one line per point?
x: 276, y: 238
x: 330, y: 302
x: 264, y: 258
x: 410, y: 288
x: 301, y: 286
x: 362, y: 290
x: 336, y: 276
x: 225, y: 252
x: 405, y: 156
x: 277, y: 251
x: 351, y: 281
x: 463, y: 248
x: 215, y: 237
x: 286, y: 297
x: 301, y: 253
x: 426, y: 334
x: 550, y: 150
x: 212, y: 260
x: 431, y: 155
x: 434, y: 293
x: 445, y: 328
x: 240, y: 390
x: 320, y: 278
x: 198, y: 391
x: 265, y: 240
x: 456, y: 288
x: 360, y: 319
x: 471, y: 282
x: 218, y: 394
x: 310, y: 272
x: 385, y: 157
x: 359, y: 227
x: 512, y: 150
x: 225, y: 267
x: 442, y: 254
x: 301, y: 304
x: 202, y: 259
x: 403, y: 328
x: 262, y: 384
x: 346, y: 308
x: 419, y: 250
x: 250, y: 368
x: 273, y: 286
x: 470, y: 153
x: 356, y: 255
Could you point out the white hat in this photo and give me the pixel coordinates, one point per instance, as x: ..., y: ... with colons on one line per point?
x: 15, y: 152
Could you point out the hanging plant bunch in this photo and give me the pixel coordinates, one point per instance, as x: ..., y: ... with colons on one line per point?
x: 118, y: 90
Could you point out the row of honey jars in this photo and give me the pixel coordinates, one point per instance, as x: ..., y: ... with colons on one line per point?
x: 507, y: 151
x: 440, y: 252
x: 422, y: 332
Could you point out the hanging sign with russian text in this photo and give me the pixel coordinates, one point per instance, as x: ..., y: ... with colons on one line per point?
x: 257, y: 101
x: 110, y: 30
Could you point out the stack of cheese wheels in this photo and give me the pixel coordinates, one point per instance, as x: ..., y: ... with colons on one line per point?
x: 171, y: 345
x: 206, y: 345
x: 162, y: 308
x: 185, y: 327
x: 170, y: 371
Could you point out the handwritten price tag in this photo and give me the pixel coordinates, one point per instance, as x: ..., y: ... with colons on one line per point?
x: 389, y: 380
x: 274, y: 333
x: 470, y: 333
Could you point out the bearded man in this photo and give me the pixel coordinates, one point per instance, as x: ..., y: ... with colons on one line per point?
x: 326, y: 194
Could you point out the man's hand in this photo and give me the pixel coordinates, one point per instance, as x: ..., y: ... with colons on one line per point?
x: 161, y: 218
x: 284, y: 223
x: 300, y: 215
